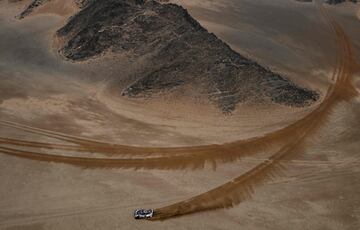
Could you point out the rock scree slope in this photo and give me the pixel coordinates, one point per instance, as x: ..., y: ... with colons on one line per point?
x: 176, y: 51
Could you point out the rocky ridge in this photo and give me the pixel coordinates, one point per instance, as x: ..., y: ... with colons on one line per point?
x: 178, y: 52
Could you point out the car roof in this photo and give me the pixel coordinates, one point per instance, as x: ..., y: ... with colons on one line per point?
x: 143, y: 210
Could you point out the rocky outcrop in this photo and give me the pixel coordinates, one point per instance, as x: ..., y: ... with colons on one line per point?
x: 177, y: 51
x: 82, y: 3
x: 29, y: 9
x: 37, y: 3
x: 334, y: 2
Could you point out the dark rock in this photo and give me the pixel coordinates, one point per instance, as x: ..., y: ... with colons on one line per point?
x: 331, y: 2
x: 177, y: 51
x: 334, y: 2
x: 29, y: 9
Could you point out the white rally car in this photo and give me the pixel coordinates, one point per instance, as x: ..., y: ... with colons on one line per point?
x: 143, y: 213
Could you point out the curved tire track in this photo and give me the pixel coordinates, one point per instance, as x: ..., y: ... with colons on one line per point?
x: 225, y: 195
x: 242, y: 187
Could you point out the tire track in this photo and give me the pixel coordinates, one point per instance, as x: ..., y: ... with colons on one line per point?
x: 167, y: 158
x: 181, y: 162
x: 242, y: 187
x: 34, y: 144
x: 213, y: 154
x: 231, y: 193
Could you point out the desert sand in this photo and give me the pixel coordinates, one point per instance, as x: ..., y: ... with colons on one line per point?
x: 76, y: 155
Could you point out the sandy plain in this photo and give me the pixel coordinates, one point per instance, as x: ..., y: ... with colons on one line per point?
x: 65, y: 109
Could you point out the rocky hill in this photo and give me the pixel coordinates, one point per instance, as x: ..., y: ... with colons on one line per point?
x: 176, y: 51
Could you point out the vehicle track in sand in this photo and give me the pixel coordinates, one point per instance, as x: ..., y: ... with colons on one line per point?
x: 242, y: 187
x: 291, y: 138
x: 210, y: 153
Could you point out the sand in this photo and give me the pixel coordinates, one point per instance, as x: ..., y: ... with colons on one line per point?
x: 58, y: 118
